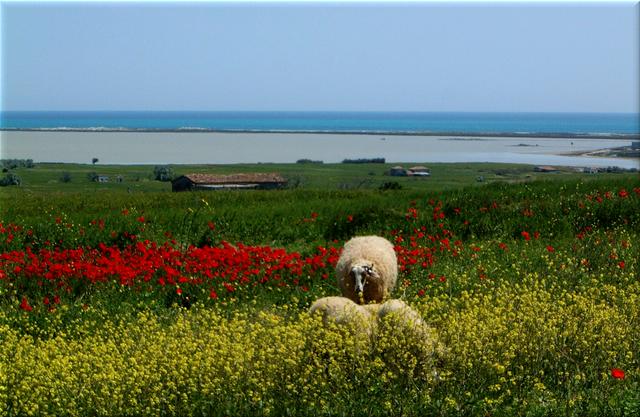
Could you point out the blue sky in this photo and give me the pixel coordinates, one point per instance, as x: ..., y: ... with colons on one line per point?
x: 321, y: 56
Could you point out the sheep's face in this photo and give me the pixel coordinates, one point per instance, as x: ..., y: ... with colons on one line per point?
x: 361, y: 273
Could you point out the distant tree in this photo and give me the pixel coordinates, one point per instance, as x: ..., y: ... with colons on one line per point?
x: 17, y: 163
x: 66, y: 177
x: 94, y: 160
x: 10, y: 179
x: 364, y: 161
x: 163, y: 173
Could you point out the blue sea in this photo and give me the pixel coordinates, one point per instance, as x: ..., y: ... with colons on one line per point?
x: 567, y: 124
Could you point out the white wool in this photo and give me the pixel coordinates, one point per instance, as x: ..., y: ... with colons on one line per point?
x: 367, y: 270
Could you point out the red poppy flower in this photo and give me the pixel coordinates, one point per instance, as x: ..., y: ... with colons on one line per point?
x: 526, y: 235
x: 24, y: 305
x: 617, y: 373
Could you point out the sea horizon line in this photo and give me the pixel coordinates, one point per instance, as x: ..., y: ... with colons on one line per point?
x: 461, y: 134
x: 330, y: 111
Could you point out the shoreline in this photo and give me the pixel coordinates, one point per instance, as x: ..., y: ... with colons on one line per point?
x: 454, y: 134
x: 626, y: 152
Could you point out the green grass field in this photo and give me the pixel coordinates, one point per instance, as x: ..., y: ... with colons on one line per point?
x: 128, y: 299
x: 47, y: 176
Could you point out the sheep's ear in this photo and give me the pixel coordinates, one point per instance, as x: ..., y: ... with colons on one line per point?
x: 373, y: 271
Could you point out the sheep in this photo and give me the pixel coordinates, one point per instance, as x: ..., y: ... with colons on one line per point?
x: 372, y: 309
x: 405, y: 314
x: 392, y: 330
x: 367, y: 269
x: 396, y: 320
x: 339, y: 309
x: 344, y: 311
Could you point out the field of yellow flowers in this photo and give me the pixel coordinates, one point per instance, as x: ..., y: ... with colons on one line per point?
x: 531, y: 293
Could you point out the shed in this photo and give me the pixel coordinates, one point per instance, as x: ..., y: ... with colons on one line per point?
x: 193, y: 182
x: 398, y: 171
x: 545, y: 168
x: 419, y: 171
x: 102, y: 178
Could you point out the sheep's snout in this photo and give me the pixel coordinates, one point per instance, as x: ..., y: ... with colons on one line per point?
x: 360, y: 274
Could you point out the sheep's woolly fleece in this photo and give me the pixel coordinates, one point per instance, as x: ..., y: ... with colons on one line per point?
x: 365, y: 319
x: 339, y: 309
x: 374, y: 259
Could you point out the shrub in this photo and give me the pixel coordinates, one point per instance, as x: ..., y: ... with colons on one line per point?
x: 66, y: 177
x: 163, y: 173
x: 364, y: 221
x: 10, y: 179
x: 390, y: 185
x: 294, y: 182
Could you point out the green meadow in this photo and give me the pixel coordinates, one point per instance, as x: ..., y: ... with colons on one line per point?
x: 48, y: 176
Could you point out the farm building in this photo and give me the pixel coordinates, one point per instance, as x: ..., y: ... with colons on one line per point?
x: 545, y: 169
x: 398, y: 171
x: 419, y: 171
x: 193, y: 182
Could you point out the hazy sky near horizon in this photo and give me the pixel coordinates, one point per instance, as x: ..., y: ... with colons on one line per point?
x: 321, y: 56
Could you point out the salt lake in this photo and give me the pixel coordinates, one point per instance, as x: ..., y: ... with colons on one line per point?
x: 229, y: 148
